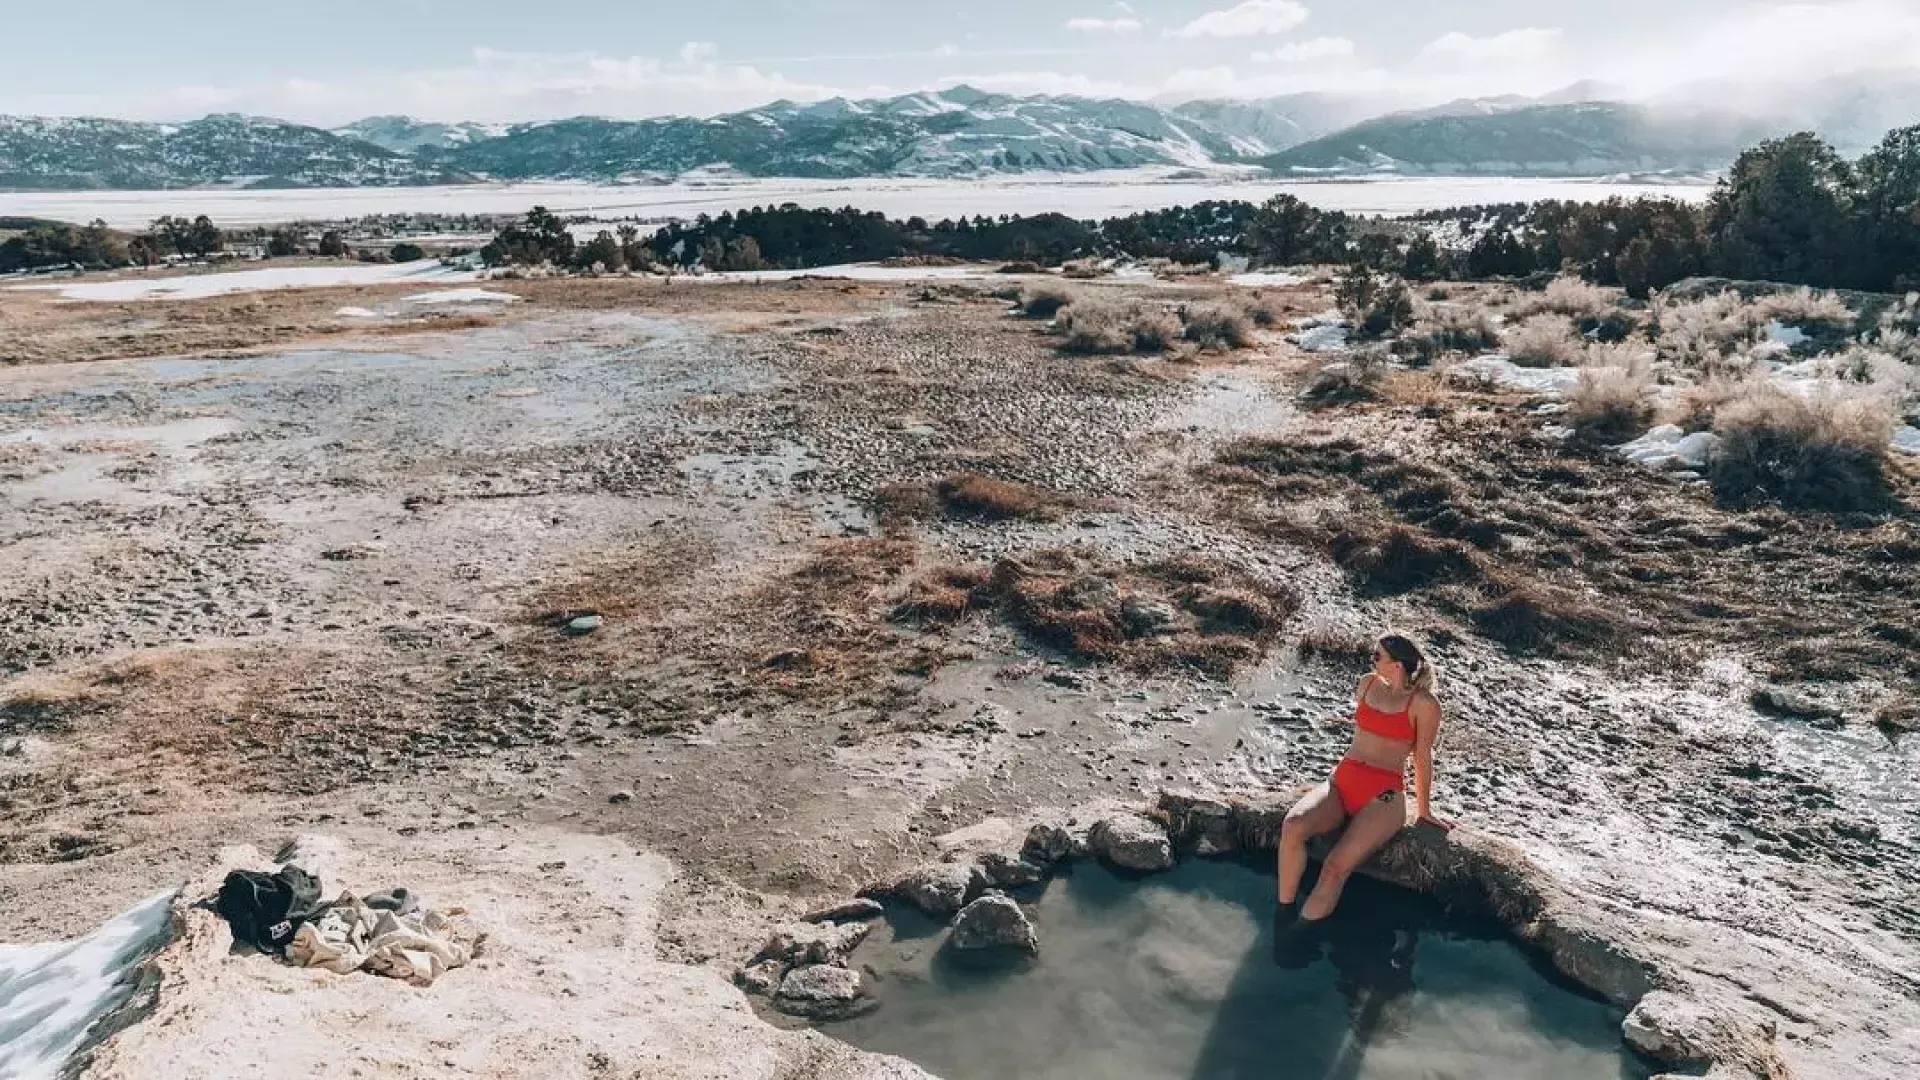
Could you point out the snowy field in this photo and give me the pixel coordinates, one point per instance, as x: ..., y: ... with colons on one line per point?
x: 137, y: 286
x: 1081, y: 195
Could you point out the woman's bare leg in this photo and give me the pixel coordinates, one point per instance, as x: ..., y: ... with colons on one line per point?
x: 1372, y: 826
x: 1318, y: 811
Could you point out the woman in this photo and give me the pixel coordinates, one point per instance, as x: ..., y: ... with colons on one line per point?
x: 1397, y: 717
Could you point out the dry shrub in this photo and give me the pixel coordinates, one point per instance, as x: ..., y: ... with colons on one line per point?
x: 1569, y: 296
x: 1343, y: 378
x: 1545, y: 341
x: 1823, y: 451
x: 1264, y: 310
x: 1609, y: 404
x: 1710, y: 335
x: 976, y: 496
x: 1540, y: 620
x: 1021, y: 266
x: 1389, y: 559
x: 1701, y: 402
x: 1217, y: 326
x: 1424, y: 389
x: 1808, y: 310
x: 1103, y: 327
x: 1440, y: 330
x: 1085, y: 269
x: 899, y: 503
x: 1045, y: 300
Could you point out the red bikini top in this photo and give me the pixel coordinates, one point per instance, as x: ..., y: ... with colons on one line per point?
x: 1397, y: 726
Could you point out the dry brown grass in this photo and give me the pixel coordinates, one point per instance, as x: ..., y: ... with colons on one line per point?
x: 1823, y: 451
x: 1534, y: 618
x: 983, y: 497
x: 1336, y: 643
x: 1186, y: 613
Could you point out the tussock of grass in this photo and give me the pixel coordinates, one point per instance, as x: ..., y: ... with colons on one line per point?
x: 1044, y: 301
x: 1336, y: 643
x: 1537, y: 619
x: 1569, y: 296
x: 1545, y: 341
x: 1344, y: 378
x: 1439, y: 331
x: 1807, y: 310
x: 1610, y: 404
x: 1390, y: 559
x: 976, y: 496
x: 1217, y: 326
x: 1098, y: 327
x: 1817, y: 452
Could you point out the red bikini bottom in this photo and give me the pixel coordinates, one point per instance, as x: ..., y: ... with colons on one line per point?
x: 1358, y: 783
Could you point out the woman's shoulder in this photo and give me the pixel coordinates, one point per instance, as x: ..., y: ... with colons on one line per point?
x: 1424, y: 699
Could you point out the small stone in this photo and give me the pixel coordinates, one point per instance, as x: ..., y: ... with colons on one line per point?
x: 1148, y: 618
x: 993, y: 922
x: 619, y: 797
x: 585, y: 624
x: 822, y: 992
x: 1131, y: 842
x: 1672, y: 1029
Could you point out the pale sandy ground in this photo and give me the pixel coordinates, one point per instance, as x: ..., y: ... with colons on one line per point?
x: 567, y: 985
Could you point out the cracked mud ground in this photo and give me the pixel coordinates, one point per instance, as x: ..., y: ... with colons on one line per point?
x: 326, y: 580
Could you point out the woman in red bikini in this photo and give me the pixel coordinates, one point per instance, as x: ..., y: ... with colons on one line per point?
x: 1396, y: 716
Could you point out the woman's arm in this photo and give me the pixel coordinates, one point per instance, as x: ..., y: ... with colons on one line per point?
x: 1426, y: 727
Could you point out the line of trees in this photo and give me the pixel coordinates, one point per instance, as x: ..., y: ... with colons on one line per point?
x: 36, y: 244
x: 1790, y: 209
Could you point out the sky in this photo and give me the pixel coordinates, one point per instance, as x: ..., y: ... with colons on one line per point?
x: 511, y: 60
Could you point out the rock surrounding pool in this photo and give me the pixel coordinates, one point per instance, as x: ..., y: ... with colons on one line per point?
x: 1178, y: 976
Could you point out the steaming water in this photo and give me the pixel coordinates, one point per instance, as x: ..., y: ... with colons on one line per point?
x: 1177, y: 976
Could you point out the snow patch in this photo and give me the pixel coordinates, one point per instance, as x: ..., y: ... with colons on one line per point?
x: 464, y: 296
x: 1258, y: 278
x: 1906, y: 440
x: 1507, y: 375
x: 356, y: 313
x: 1669, y: 448
x: 201, y: 286
x: 53, y: 995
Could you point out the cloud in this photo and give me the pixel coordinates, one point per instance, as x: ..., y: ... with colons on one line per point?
x: 695, y: 53
x: 1313, y: 51
x: 1529, y: 45
x: 1121, y: 25
x: 1254, y: 18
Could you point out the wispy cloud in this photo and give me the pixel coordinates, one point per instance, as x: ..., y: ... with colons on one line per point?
x: 1254, y: 18
x: 1124, y: 24
x: 1314, y: 50
x: 1527, y: 45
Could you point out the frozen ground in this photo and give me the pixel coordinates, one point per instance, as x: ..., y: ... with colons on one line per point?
x: 1082, y: 195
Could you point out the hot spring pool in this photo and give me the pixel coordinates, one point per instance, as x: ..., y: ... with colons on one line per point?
x: 1177, y: 975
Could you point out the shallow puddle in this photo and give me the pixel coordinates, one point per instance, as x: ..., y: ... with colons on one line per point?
x: 1177, y: 975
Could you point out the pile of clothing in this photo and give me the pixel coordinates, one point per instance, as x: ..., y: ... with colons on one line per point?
x: 386, y: 933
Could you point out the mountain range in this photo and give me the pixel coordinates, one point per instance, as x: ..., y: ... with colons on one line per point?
x: 960, y: 132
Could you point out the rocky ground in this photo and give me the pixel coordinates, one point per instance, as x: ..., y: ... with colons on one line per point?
x: 334, y: 578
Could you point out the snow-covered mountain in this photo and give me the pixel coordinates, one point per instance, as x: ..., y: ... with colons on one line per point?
x: 405, y: 135
x: 966, y: 132
x: 223, y: 149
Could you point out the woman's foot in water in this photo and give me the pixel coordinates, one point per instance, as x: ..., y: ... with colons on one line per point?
x: 1296, y: 941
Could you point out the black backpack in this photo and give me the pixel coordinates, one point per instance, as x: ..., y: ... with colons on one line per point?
x: 265, y: 909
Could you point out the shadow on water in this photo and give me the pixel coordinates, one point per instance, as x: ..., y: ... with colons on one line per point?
x: 1182, y: 975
